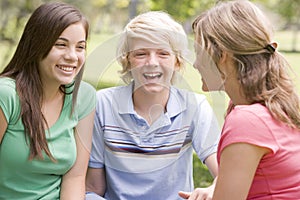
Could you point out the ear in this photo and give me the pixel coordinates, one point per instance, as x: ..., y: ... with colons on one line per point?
x: 224, y: 57
x: 274, y: 44
x: 128, y: 64
x: 177, y: 65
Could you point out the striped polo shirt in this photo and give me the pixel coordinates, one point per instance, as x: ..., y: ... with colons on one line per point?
x: 151, y: 162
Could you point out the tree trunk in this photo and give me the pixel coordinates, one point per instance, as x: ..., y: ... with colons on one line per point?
x: 295, y: 35
x: 132, y: 8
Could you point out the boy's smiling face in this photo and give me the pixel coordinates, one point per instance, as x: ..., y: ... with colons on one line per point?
x: 152, y: 66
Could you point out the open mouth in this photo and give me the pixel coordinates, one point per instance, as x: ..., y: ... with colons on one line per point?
x: 152, y: 75
x: 66, y: 68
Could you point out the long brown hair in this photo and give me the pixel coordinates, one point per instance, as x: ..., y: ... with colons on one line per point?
x: 240, y: 28
x: 41, y: 31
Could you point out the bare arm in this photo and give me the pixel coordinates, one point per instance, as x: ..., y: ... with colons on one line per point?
x: 95, y: 181
x: 212, y: 164
x: 238, y: 164
x: 3, y: 125
x: 73, y: 182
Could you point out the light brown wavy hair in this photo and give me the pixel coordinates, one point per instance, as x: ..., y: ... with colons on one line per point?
x: 239, y: 27
x: 40, y: 33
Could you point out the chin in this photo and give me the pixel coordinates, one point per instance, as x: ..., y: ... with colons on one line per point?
x: 205, y: 89
x: 155, y: 88
x: 66, y: 82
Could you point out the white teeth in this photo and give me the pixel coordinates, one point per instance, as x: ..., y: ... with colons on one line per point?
x: 152, y: 75
x: 65, y: 68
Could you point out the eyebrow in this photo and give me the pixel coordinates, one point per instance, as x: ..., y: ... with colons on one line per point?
x: 146, y: 49
x: 66, y: 40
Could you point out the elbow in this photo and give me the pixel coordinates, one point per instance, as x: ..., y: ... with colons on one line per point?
x: 99, y: 190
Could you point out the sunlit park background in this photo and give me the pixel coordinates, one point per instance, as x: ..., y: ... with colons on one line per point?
x: 108, y: 17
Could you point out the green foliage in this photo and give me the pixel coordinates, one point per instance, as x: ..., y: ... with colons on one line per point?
x: 181, y: 10
x: 202, y: 176
x: 186, y: 7
x: 288, y: 9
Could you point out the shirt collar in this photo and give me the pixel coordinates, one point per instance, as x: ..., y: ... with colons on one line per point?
x: 125, y: 103
x: 176, y: 103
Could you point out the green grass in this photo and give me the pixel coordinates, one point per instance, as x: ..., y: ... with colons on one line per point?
x: 201, y: 175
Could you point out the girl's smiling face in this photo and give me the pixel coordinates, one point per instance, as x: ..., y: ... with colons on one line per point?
x: 66, y: 57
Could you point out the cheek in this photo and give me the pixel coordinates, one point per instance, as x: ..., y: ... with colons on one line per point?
x: 52, y: 57
x: 171, y: 63
x: 198, y: 66
x: 49, y: 61
x: 200, y: 61
x: 81, y: 58
x: 222, y: 73
x: 133, y: 63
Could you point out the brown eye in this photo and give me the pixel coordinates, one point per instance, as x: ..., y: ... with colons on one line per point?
x: 60, y: 44
x: 139, y: 54
x: 83, y: 47
x: 164, y: 54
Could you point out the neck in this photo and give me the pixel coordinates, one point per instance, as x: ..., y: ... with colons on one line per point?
x: 51, y: 93
x: 51, y: 106
x: 150, y: 105
x: 239, y: 99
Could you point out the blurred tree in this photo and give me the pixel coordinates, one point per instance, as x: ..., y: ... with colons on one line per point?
x: 133, y: 8
x: 111, y: 15
x: 289, y: 10
x: 104, y: 16
x: 13, y: 14
x: 182, y: 10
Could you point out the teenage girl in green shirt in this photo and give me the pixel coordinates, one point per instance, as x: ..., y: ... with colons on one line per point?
x: 46, y: 111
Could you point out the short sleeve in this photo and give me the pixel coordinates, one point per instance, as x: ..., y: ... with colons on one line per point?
x: 244, y: 126
x: 86, y: 99
x: 97, y: 152
x: 9, y: 101
x: 206, y: 133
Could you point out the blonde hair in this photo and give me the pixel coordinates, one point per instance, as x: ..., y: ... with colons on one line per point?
x: 240, y: 28
x: 155, y: 27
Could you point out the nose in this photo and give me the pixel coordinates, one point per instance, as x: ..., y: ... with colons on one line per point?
x: 195, y: 65
x: 153, y: 59
x: 71, y: 54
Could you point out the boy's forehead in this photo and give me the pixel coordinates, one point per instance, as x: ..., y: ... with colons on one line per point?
x: 147, y: 43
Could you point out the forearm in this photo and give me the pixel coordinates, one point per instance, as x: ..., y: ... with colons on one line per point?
x: 73, y: 188
x: 95, y: 181
x: 100, y: 190
x: 212, y: 164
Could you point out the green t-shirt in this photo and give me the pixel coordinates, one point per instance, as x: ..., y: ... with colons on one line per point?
x: 21, y: 178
